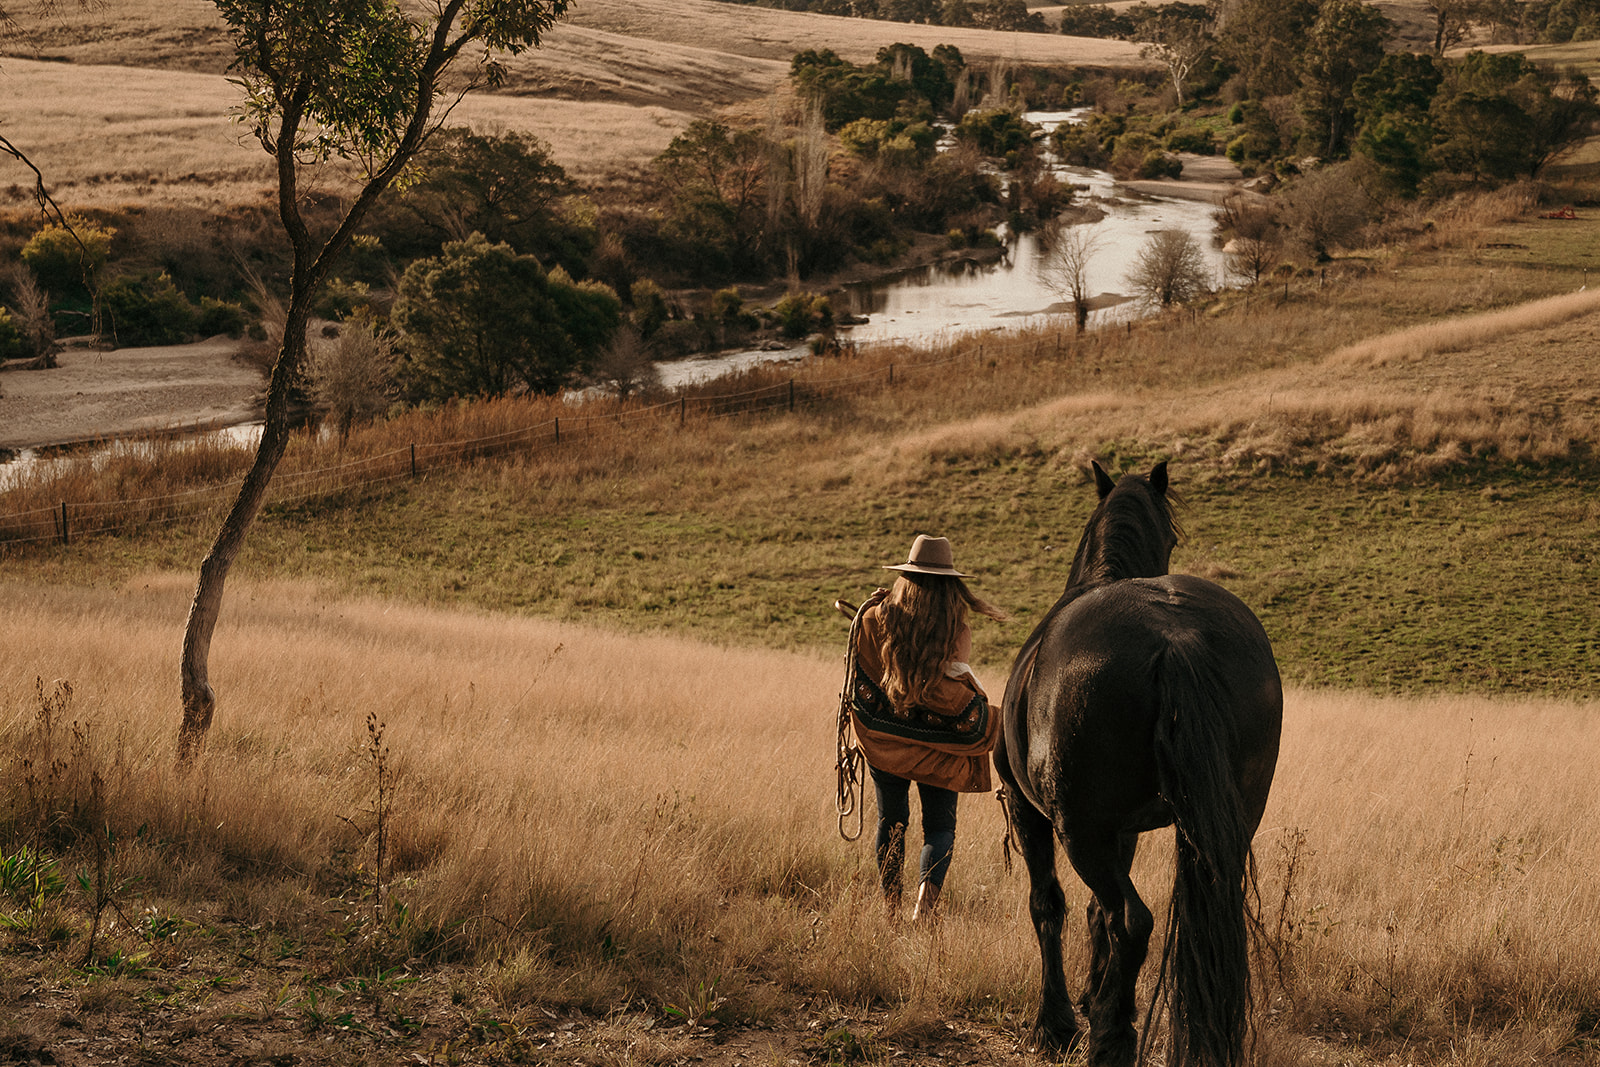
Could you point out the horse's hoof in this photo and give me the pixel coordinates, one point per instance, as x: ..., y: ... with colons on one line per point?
x: 1120, y: 1049
x: 1054, y: 1038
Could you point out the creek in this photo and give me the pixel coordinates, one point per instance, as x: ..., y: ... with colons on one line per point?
x: 927, y: 304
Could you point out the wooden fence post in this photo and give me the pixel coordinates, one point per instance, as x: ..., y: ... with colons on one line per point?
x: 413, y: 461
x: 66, y: 536
x: 683, y: 409
x: 558, y: 429
x: 791, y: 394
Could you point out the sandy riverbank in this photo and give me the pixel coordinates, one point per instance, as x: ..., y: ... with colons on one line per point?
x: 93, y: 394
x: 1208, y: 178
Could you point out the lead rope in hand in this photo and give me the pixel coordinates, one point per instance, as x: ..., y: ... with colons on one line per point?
x: 850, y: 761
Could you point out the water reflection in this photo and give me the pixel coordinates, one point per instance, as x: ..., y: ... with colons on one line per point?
x: 966, y: 297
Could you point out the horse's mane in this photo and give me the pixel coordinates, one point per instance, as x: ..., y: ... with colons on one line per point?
x: 1130, y: 535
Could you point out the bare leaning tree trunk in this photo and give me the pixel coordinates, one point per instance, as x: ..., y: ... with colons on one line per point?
x: 292, y: 54
x: 199, y: 701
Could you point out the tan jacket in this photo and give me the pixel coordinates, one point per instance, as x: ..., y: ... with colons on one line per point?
x: 961, y: 767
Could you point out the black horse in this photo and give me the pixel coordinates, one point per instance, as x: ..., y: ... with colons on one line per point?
x: 1142, y: 700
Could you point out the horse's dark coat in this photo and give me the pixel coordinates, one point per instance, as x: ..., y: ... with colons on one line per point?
x: 1142, y: 699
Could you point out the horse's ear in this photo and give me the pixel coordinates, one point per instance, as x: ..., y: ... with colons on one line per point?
x: 1158, y: 477
x: 1102, y: 481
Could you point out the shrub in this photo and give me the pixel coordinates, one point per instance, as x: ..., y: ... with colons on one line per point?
x: 995, y: 132
x: 864, y: 137
x: 221, y: 316
x: 340, y: 299
x: 1197, y: 139
x: 149, y: 311
x: 727, y: 305
x: 68, y: 261
x: 12, y: 344
x: 1159, y: 164
x: 624, y: 366
x: 798, y: 313
x: 1079, y: 146
x: 649, y: 307
x: 1169, y: 269
x: 1132, y: 150
x: 29, y: 309
x: 353, y: 379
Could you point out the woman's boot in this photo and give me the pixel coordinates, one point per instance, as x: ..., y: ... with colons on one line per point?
x: 891, y: 861
x: 927, y: 907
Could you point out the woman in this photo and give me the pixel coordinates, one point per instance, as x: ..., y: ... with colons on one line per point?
x: 918, y: 712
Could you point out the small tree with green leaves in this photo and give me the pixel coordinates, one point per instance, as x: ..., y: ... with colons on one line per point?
x: 356, y: 81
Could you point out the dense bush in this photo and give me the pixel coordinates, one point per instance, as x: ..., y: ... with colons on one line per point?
x: 68, y: 262
x: 1159, y: 164
x: 221, y: 317
x: 649, y: 307
x: 481, y: 320
x: 145, y: 310
x: 1077, y: 145
x: 339, y: 299
x: 13, y: 345
x: 1197, y: 139
x: 995, y: 132
x: 799, y: 313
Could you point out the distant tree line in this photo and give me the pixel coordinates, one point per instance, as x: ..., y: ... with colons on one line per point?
x: 980, y: 14
x: 1316, y: 79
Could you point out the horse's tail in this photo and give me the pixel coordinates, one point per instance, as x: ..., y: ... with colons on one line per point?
x: 1205, y: 966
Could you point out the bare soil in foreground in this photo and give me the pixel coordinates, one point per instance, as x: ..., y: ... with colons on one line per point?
x: 150, y: 1020
x: 232, y: 1006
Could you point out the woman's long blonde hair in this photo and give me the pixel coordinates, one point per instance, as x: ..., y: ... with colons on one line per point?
x: 922, y: 618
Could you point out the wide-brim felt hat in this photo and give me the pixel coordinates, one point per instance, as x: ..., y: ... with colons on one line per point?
x: 930, y: 555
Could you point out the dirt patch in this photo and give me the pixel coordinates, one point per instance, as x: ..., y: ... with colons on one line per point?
x: 94, y: 394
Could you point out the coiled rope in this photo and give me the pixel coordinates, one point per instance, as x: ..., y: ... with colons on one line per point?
x: 850, y: 762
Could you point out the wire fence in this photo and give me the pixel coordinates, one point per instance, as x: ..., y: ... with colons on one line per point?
x: 70, y: 521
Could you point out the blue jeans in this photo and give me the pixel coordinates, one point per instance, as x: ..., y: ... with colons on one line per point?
x: 894, y: 813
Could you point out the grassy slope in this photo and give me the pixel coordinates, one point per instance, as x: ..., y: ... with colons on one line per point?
x: 1405, y: 513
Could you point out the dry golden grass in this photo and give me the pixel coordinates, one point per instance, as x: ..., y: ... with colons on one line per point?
x: 610, y: 815
x: 113, y: 135
x: 1391, y: 405
x: 133, y: 105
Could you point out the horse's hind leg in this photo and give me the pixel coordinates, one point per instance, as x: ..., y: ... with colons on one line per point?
x: 1056, y: 1029
x: 1098, y: 923
x: 1119, y: 935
